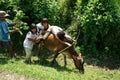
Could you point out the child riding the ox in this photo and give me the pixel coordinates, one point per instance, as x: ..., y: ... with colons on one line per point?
x: 44, y: 29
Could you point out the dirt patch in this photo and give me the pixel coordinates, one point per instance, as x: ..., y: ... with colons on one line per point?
x: 13, y: 76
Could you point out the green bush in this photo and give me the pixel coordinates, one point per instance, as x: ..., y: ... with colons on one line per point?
x: 100, y: 27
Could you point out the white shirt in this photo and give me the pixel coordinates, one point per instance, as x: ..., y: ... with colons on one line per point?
x: 55, y: 29
x: 39, y: 28
x: 27, y: 43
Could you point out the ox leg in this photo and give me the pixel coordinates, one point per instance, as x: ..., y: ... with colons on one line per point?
x: 65, y: 62
x: 39, y: 50
x: 55, y: 56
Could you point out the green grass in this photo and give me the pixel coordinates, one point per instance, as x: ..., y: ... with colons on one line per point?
x: 44, y: 70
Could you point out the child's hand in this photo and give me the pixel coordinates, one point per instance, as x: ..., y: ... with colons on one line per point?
x: 39, y: 38
x: 17, y: 30
x: 34, y: 41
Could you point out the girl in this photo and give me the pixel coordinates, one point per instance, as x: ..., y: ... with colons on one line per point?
x: 29, y: 41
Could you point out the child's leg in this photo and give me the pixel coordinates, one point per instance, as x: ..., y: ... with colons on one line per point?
x: 28, y: 54
x: 10, y: 49
x: 0, y: 44
x: 69, y: 39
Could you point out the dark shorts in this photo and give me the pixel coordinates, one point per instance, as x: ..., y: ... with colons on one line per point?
x: 61, y: 35
x: 5, y: 43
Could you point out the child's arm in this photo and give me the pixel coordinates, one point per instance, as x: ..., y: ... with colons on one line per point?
x: 33, y: 40
x: 12, y: 31
x: 14, y: 23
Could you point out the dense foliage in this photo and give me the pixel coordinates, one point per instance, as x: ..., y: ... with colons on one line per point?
x: 97, y: 22
x: 100, y: 28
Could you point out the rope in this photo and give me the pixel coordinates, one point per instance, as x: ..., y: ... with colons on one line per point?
x: 71, y: 44
x: 78, y: 35
x: 64, y: 49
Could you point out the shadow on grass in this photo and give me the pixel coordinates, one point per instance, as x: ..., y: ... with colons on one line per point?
x: 105, y: 61
x: 4, y: 57
x: 3, y: 60
x: 53, y: 65
x: 48, y: 55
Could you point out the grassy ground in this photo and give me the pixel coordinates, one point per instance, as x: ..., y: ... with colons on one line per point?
x: 17, y: 69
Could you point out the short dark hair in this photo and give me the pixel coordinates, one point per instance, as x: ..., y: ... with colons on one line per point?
x: 44, y: 20
x: 32, y: 26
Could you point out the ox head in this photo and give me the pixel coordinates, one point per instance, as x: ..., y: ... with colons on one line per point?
x: 79, y: 63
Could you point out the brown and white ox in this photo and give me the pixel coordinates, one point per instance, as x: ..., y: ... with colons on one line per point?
x: 53, y: 44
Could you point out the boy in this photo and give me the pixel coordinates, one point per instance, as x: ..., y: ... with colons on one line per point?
x: 44, y: 27
x: 5, y: 32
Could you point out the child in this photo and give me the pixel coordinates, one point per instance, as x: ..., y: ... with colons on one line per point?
x: 29, y: 41
x: 5, y: 32
x: 59, y: 33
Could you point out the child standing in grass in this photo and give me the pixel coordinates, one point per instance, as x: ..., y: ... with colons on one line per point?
x: 29, y: 41
x: 5, y: 32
